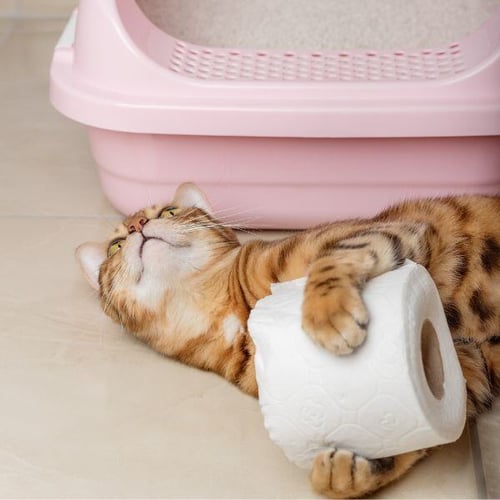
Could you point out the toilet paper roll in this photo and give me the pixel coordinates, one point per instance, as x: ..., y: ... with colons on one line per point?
x: 402, y: 390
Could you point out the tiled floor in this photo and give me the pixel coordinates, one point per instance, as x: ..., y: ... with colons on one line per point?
x: 87, y: 411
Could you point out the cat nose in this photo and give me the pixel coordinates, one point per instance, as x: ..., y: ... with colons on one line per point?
x: 136, y: 223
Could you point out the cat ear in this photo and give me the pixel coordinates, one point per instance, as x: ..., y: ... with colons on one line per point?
x: 190, y: 195
x: 91, y: 256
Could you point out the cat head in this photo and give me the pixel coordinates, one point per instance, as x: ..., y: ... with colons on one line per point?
x: 159, y: 265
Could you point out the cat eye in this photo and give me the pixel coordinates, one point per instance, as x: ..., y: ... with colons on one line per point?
x: 115, y: 245
x: 169, y: 212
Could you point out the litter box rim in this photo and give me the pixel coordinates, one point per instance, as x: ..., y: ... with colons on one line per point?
x: 102, y: 75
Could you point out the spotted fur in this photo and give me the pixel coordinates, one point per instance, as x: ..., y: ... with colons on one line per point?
x: 185, y: 286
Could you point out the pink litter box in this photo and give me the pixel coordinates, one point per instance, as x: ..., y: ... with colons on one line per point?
x: 287, y: 138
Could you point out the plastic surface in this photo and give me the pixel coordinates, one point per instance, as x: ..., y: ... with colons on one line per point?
x: 123, y: 73
x: 292, y: 183
x: 289, y: 139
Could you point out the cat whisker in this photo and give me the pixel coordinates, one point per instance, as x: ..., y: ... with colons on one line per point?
x: 233, y: 211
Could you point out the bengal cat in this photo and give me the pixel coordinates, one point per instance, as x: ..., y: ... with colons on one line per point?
x: 180, y: 281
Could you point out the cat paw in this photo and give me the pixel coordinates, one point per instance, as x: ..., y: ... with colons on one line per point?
x: 339, y: 473
x: 334, y: 314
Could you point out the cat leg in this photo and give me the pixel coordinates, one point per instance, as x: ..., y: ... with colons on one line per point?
x: 333, y: 311
x: 491, y: 352
x: 478, y: 369
x: 338, y: 473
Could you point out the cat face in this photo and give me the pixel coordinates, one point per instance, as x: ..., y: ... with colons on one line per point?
x: 158, y: 267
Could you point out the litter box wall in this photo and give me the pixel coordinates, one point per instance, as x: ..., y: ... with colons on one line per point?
x: 283, y: 139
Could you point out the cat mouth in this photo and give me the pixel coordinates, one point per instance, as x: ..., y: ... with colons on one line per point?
x: 144, y: 241
x: 152, y: 238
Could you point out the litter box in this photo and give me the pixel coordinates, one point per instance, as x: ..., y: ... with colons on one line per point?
x: 278, y: 139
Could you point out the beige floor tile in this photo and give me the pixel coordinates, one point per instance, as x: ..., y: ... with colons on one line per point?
x: 9, y: 8
x: 87, y: 411
x: 47, y: 8
x: 45, y: 163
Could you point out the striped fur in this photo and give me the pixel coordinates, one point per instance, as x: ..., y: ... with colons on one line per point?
x: 456, y: 239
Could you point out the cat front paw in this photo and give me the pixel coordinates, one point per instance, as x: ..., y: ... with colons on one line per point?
x: 334, y: 313
x: 339, y: 473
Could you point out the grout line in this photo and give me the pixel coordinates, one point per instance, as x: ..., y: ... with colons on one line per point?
x: 477, y: 459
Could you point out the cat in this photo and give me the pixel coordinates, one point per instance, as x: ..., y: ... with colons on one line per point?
x: 181, y: 282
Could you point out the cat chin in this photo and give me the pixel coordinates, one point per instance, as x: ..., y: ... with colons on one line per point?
x: 157, y: 261
x: 156, y: 253
x: 132, y: 257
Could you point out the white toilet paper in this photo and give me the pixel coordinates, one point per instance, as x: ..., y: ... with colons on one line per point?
x: 402, y: 390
